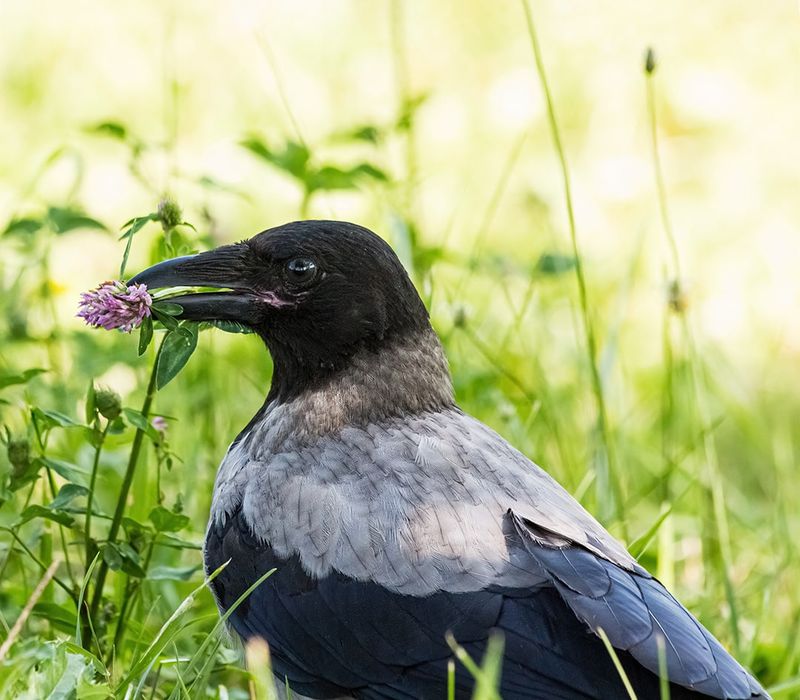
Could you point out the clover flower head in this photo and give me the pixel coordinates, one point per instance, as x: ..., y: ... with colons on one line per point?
x: 116, y: 305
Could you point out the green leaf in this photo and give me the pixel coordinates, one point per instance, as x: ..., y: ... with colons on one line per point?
x: 333, y: 178
x: 117, y: 426
x: 37, y: 511
x: 130, y: 560
x: 111, y: 556
x: 166, y: 320
x: 409, y: 111
x: 61, y: 618
x: 228, y: 326
x: 67, y: 494
x: 121, y: 556
x: 133, y: 227
x: 23, y: 378
x: 166, y: 307
x: 137, y: 420
x: 94, y: 436
x: 166, y: 521
x: 71, y: 472
x: 293, y: 159
x: 257, y: 147
x: 176, y: 350
x: 47, y: 419
x: 89, y: 690
x: 91, y: 404
x: 555, y: 263
x: 112, y: 129
x: 23, y: 226
x: 172, y: 573
x: 368, y: 133
x: 145, y: 334
x: 28, y: 476
x: 58, y: 676
x: 174, y: 542
x: 134, y: 528
x: 64, y: 219
x: 136, y: 224
x: 371, y: 171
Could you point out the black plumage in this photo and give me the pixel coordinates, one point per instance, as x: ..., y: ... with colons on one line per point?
x: 378, y: 644
x: 392, y: 518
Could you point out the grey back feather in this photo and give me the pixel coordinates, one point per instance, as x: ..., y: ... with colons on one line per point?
x: 416, y: 504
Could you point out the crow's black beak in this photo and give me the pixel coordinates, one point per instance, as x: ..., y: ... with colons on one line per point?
x: 223, y: 268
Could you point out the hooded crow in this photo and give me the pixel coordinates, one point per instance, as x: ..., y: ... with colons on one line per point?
x: 393, y: 517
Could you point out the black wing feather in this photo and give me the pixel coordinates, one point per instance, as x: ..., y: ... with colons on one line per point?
x: 336, y: 636
x: 636, y: 611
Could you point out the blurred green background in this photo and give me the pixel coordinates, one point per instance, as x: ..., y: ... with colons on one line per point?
x: 427, y: 122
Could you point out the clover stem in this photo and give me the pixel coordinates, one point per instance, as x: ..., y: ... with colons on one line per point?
x: 127, y: 480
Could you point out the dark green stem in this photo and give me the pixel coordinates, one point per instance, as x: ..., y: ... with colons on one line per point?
x: 130, y: 598
x: 53, y: 491
x: 90, y: 549
x: 127, y: 480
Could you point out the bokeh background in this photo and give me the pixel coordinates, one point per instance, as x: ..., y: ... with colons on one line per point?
x: 434, y: 117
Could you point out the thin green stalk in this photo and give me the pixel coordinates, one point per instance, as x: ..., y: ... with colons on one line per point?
x: 91, y: 550
x: 716, y: 493
x: 451, y: 680
x: 90, y: 553
x: 53, y: 491
x: 127, y: 480
x: 488, y: 215
x: 130, y: 598
x: 403, y: 86
x: 661, y: 189
x: 715, y: 490
x: 266, y: 48
x: 305, y: 204
x: 588, y: 327
x: 13, y: 531
x: 70, y: 592
x: 617, y: 663
x: 544, y: 399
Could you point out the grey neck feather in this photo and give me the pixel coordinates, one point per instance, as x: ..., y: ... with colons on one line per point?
x: 408, y: 376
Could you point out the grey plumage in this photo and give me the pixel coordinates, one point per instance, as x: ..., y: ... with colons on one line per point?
x: 414, y: 502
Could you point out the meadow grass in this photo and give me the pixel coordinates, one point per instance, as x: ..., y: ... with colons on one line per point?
x: 102, y: 593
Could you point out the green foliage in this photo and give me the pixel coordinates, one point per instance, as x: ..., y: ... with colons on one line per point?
x: 295, y: 159
x: 670, y: 446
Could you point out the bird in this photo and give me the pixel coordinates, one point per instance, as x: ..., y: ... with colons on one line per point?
x: 393, y: 519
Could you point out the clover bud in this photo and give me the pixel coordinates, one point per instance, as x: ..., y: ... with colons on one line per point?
x: 108, y: 403
x: 169, y: 213
x: 19, y: 454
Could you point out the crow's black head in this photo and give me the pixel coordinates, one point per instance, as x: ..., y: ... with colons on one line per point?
x: 317, y: 292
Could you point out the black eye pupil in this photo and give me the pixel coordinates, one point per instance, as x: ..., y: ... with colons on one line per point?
x: 301, y: 270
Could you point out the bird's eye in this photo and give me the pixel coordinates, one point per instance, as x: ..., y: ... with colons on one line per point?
x: 301, y: 270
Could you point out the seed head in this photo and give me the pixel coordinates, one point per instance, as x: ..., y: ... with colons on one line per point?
x: 677, y: 297
x: 649, y: 61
